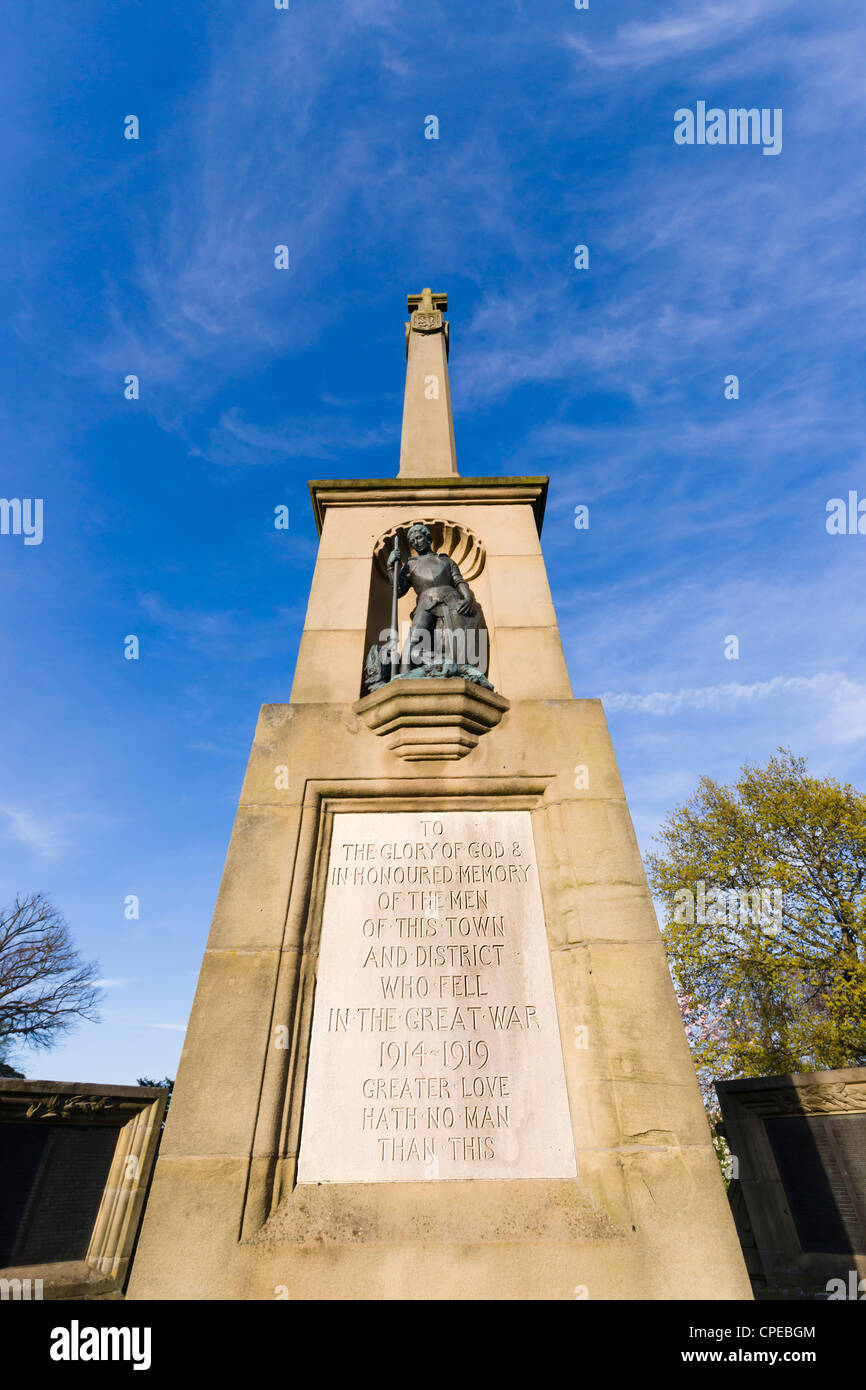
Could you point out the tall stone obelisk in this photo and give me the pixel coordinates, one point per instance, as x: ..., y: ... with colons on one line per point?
x: 427, y: 443
x: 434, y: 1050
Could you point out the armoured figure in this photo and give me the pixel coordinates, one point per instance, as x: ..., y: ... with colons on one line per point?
x: 447, y: 627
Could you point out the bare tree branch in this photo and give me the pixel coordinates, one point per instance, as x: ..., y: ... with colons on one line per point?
x: 45, y: 986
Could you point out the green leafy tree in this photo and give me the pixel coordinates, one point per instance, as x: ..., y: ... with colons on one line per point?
x: 764, y: 891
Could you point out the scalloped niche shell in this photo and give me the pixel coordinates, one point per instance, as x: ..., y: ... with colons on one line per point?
x: 449, y: 538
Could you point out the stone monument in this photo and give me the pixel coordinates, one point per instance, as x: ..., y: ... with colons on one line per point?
x: 75, y: 1163
x: 435, y: 1050
x: 798, y: 1193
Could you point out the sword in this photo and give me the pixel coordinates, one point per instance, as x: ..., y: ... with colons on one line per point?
x: 395, y: 637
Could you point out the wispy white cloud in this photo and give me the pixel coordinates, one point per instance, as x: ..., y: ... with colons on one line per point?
x: 171, y: 1027
x: 216, y: 632
x: 47, y: 836
x: 209, y: 628
x: 713, y: 269
x: 236, y: 442
x: 843, y: 699
x: 678, y: 31
x: 328, y: 177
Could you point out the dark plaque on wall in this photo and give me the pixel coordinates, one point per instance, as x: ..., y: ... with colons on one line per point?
x: 53, y: 1181
x: 799, y: 1142
x: 822, y: 1164
x: 75, y: 1164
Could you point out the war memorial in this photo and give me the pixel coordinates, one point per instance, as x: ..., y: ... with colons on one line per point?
x: 435, y: 1050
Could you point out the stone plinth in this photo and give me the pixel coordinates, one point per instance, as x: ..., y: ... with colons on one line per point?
x: 644, y: 1217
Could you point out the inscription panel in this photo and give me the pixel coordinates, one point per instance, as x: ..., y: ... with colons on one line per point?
x: 822, y: 1164
x: 54, y: 1176
x: 435, y: 1049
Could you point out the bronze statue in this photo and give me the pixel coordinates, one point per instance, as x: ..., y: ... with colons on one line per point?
x: 448, y: 634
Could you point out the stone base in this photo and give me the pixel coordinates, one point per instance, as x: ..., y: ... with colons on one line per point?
x: 431, y: 720
x: 646, y: 1217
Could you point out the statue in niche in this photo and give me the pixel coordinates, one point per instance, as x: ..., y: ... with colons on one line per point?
x: 448, y: 636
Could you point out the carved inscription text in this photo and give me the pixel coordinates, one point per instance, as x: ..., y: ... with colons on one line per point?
x: 435, y: 1049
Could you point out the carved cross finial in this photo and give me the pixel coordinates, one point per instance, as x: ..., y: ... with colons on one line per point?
x: 427, y: 302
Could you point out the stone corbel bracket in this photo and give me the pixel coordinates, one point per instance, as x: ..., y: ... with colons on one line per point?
x: 431, y: 720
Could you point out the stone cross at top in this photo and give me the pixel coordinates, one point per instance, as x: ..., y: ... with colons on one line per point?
x: 427, y: 442
x: 427, y: 301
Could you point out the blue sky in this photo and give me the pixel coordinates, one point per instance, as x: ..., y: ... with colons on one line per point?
x: 306, y: 128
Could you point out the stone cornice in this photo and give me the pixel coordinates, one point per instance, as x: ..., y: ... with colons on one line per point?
x: 22, y: 1099
x: 805, y: 1093
x: 367, y: 492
